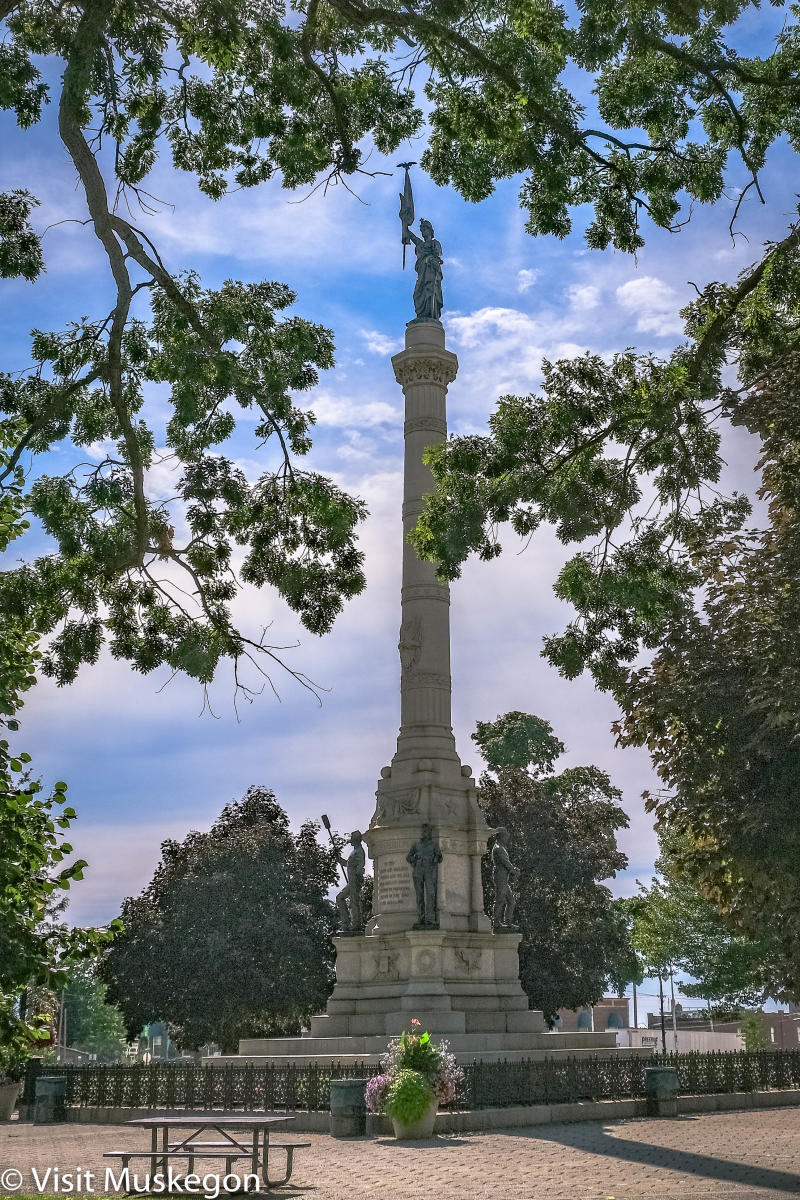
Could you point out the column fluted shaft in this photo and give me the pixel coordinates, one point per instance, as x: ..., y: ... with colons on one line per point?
x: 424, y: 370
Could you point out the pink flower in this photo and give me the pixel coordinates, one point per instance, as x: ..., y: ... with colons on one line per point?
x: 414, y: 1021
x: 375, y: 1092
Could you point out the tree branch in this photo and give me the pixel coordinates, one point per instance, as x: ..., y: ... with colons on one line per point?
x: 714, y: 332
x: 686, y: 58
x: 349, y: 154
x: 51, y: 412
x: 162, y: 276
x: 426, y: 27
x: 87, y: 42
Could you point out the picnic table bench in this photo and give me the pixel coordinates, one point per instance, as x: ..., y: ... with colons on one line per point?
x: 242, y: 1136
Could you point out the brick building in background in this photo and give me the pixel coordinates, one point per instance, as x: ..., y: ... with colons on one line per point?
x: 782, y: 1028
x: 612, y: 1012
x: 696, y: 1030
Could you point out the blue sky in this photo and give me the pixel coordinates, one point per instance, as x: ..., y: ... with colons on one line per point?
x: 143, y: 763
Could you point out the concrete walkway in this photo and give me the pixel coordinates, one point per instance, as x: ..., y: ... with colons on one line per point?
x: 717, y: 1156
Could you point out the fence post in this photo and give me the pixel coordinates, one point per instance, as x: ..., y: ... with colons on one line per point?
x: 33, y: 1067
x: 661, y: 1091
x: 227, y: 1087
x: 348, y: 1109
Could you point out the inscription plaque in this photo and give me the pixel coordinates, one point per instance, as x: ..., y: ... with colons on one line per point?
x: 394, y: 884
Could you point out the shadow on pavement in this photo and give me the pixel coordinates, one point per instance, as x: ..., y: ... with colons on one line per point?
x: 652, y: 1154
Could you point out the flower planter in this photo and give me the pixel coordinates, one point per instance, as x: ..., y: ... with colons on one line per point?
x: 423, y: 1128
x: 8, y: 1100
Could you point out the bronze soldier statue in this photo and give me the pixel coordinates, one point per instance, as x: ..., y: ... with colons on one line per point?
x: 424, y: 857
x: 504, y: 873
x: 348, y: 902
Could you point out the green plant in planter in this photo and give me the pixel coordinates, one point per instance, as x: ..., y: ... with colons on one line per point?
x: 12, y: 1064
x: 408, y: 1096
x: 417, y: 1052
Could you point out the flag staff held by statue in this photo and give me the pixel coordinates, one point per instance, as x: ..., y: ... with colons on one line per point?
x: 406, y: 207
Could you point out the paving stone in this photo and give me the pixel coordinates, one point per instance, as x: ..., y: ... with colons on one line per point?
x: 705, y: 1156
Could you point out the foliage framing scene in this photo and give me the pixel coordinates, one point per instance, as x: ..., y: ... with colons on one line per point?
x: 187, y: 462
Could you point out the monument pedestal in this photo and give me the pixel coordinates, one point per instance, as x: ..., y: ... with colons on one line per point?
x: 451, y: 982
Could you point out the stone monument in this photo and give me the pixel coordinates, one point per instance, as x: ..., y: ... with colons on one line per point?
x: 428, y: 951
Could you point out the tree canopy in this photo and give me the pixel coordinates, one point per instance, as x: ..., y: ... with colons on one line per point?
x: 35, y: 871
x: 90, y: 1023
x: 241, y: 94
x: 718, y: 709
x: 232, y: 936
x: 562, y: 829
x: 675, y: 928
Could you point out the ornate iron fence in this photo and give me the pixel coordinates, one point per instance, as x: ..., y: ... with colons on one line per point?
x: 564, y: 1081
x: 198, y: 1088
x: 190, y: 1087
x: 554, y: 1081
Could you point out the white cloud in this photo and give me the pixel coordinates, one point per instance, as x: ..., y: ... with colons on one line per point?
x: 654, y: 303
x: 488, y: 324
x: 526, y: 278
x: 501, y: 352
x: 583, y: 296
x: 99, y: 451
x: 349, y: 412
x: 379, y: 343
x: 357, y: 447
x: 289, y: 232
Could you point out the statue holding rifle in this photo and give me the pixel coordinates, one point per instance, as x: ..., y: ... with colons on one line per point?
x: 428, y: 300
x: 348, y: 901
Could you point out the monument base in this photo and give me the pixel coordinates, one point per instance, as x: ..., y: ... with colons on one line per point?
x: 451, y: 981
x: 463, y: 986
x: 469, y: 1047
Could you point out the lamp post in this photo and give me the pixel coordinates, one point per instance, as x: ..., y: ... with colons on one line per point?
x: 674, y: 1015
x: 661, y: 977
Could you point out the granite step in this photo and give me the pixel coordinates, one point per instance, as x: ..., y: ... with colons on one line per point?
x: 464, y: 1056
x: 466, y: 1042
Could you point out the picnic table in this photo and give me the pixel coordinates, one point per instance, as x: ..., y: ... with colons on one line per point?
x: 239, y: 1136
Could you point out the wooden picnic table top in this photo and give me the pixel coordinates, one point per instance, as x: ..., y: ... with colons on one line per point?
x: 216, y: 1120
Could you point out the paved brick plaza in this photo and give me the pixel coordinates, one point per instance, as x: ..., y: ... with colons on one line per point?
x: 724, y: 1156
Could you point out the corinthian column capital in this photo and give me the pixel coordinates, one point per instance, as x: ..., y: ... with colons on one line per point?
x: 431, y: 365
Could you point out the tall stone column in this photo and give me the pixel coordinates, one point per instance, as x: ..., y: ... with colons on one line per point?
x: 425, y: 782
x: 424, y: 370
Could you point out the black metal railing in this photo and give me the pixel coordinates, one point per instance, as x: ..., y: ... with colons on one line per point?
x: 197, y: 1088
x: 192, y: 1087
